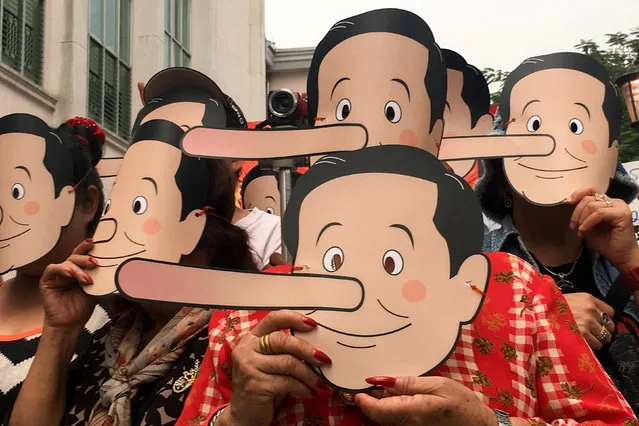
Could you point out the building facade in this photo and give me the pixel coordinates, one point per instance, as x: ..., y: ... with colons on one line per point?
x: 62, y: 58
x: 287, y: 68
x: 66, y: 58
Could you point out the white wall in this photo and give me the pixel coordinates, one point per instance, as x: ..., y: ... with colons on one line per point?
x: 292, y: 80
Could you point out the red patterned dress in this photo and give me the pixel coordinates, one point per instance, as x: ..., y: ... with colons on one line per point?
x: 523, y: 354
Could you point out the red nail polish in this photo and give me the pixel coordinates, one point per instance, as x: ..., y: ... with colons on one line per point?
x: 71, y: 272
x: 322, y: 357
x: 93, y: 260
x: 309, y: 321
x: 88, y: 240
x: 383, y: 381
x: 88, y: 279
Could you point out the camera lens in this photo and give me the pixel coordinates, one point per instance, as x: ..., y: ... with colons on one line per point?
x: 282, y: 103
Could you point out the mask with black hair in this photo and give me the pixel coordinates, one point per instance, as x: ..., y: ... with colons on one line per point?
x: 156, y: 207
x: 261, y: 189
x: 396, y: 87
x: 44, y: 172
x: 467, y: 104
x: 569, y: 96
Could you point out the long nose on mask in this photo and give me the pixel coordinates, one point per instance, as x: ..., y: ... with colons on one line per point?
x: 106, y: 231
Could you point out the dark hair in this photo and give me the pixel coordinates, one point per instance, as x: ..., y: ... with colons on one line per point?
x: 71, y: 153
x: 258, y: 172
x: 475, y: 92
x: 192, y: 176
x: 225, y: 245
x: 85, y: 142
x: 215, y: 114
x: 569, y: 61
x: 457, y: 215
x: 396, y: 21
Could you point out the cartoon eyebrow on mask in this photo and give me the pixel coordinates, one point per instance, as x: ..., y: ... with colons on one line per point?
x: 495, y: 146
x: 109, y: 167
x: 249, y: 144
x: 228, y: 289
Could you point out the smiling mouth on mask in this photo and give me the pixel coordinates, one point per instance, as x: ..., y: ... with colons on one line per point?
x: 2, y: 240
x: 115, y: 258
x: 573, y: 169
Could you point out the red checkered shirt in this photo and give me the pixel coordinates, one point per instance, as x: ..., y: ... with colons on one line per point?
x: 523, y: 354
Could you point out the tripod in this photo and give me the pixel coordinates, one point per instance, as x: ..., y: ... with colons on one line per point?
x: 284, y: 168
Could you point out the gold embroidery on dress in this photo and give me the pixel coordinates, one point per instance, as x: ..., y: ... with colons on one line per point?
x: 187, y: 379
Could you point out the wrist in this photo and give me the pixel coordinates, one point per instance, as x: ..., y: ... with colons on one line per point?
x: 629, y: 264
x: 62, y: 337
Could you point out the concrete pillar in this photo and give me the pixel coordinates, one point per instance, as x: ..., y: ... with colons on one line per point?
x: 203, y: 36
x: 65, y: 58
x: 147, y: 46
x: 257, y: 62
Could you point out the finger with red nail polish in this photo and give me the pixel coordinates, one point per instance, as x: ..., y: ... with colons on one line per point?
x: 383, y: 381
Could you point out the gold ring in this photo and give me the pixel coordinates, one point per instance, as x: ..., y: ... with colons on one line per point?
x: 608, y: 203
x: 600, y: 197
x: 603, y: 334
x: 265, y: 346
x: 605, y: 319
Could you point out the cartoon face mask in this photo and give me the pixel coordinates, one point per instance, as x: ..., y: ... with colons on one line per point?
x: 260, y: 189
x: 569, y: 96
x: 154, y: 205
x: 36, y: 200
x: 467, y: 105
x: 396, y: 87
x: 374, y: 298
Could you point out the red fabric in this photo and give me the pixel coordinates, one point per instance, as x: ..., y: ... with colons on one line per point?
x: 523, y: 354
x: 473, y: 175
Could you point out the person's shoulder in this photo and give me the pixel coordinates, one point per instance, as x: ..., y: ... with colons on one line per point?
x: 508, y: 268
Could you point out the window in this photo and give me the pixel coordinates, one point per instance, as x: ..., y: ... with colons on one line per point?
x: 22, y: 32
x: 110, y: 64
x: 177, y: 18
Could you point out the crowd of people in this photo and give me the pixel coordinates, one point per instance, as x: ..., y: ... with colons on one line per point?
x: 165, y: 302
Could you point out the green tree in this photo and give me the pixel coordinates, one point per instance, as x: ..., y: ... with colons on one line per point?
x: 620, y: 52
x: 495, y: 76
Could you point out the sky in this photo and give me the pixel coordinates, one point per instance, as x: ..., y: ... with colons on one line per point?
x: 496, y: 35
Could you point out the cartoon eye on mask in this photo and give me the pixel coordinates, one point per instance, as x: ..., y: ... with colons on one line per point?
x: 576, y: 126
x: 393, y: 112
x: 17, y: 191
x: 107, y: 206
x: 393, y: 262
x: 534, y: 123
x: 343, y: 110
x: 333, y: 259
x: 139, y: 205
x: 270, y: 210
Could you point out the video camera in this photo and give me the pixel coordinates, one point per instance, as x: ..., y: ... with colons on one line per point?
x: 287, y: 108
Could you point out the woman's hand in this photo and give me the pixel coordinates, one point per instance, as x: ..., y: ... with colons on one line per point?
x: 606, y: 224
x: 588, y: 311
x: 417, y: 401
x: 66, y: 305
x: 262, y: 381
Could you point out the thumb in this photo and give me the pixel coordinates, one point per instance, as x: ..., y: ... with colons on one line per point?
x: 408, y: 385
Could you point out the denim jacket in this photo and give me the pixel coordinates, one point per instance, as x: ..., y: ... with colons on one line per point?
x: 507, y: 239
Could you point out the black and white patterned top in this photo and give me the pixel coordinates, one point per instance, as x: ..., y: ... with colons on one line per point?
x: 157, y: 403
x: 17, y: 353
